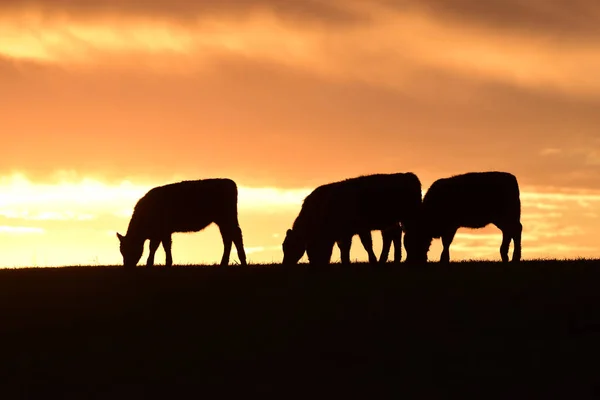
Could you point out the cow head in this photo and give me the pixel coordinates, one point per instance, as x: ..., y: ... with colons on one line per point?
x: 293, y: 248
x: 131, y: 250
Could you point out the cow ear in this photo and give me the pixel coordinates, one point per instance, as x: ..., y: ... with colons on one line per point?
x: 120, y: 237
x: 288, y: 233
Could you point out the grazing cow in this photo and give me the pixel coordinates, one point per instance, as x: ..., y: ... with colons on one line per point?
x: 187, y: 206
x: 335, y: 212
x: 471, y: 200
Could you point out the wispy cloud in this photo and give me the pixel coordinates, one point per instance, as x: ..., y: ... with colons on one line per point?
x: 389, y: 47
x: 293, y: 94
x: 85, y: 199
x: 588, y: 155
x: 560, y: 195
x: 550, y: 151
x: 261, y: 249
x: 271, y: 199
x: 46, y: 215
x: 18, y: 230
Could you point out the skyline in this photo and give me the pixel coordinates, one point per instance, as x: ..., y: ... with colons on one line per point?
x: 102, y: 101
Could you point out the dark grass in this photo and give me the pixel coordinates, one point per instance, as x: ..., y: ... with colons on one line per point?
x: 484, y: 328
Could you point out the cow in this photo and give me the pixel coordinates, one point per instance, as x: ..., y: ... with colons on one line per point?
x: 471, y: 200
x: 335, y: 212
x: 188, y: 206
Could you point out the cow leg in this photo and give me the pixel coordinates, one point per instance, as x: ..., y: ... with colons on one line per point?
x: 389, y: 236
x: 367, y: 241
x: 397, y: 239
x: 506, y: 237
x: 167, y: 242
x: 344, y: 246
x: 238, y: 240
x: 517, y: 243
x: 386, y: 238
x: 154, y: 243
x: 227, y: 237
x: 510, y: 232
x: 447, y: 239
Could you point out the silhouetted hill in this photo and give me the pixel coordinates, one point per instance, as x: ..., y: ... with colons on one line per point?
x: 493, y: 330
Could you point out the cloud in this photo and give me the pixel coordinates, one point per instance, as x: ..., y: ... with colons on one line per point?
x: 540, y: 194
x: 589, y: 155
x: 19, y: 191
x: 155, y: 43
x: 82, y: 200
x: 550, y: 152
x: 271, y: 199
x: 183, y: 11
x: 267, y: 125
x: 46, y: 215
x: 391, y: 46
x: 12, y: 230
x: 123, y: 89
x: 561, y: 17
x: 562, y: 250
x: 474, y: 235
x: 261, y: 249
x: 556, y: 17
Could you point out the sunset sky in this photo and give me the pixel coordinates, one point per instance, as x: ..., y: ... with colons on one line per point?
x: 102, y: 100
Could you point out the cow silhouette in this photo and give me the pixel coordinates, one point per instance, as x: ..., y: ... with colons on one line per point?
x: 335, y: 212
x: 188, y: 206
x: 471, y: 200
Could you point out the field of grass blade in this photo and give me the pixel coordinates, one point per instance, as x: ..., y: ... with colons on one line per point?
x: 488, y: 328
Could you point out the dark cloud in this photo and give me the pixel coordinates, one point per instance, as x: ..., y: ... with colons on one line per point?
x: 564, y: 18
x: 561, y: 18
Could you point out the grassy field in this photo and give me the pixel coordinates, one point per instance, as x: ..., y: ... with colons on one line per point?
x: 480, y: 328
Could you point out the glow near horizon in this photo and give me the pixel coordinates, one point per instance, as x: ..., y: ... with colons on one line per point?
x: 18, y: 192
x: 19, y: 196
x: 32, y: 210
x: 39, y: 211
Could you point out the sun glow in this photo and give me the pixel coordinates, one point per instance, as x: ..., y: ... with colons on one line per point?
x: 22, y: 199
x: 88, y: 42
x: 85, y: 200
x: 73, y: 221
x: 126, y: 96
x: 84, y: 215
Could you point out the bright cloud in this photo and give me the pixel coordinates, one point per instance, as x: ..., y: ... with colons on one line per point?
x: 12, y: 230
x: 159, y: 42
x: 22, y: 199
x: 388, y: 50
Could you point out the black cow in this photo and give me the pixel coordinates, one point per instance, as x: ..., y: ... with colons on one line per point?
x: 187, y: 206
x: 471, y: 200
x: 335, y: 212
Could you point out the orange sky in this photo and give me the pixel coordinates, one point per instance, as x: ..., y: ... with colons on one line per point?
x: 111, y: 98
